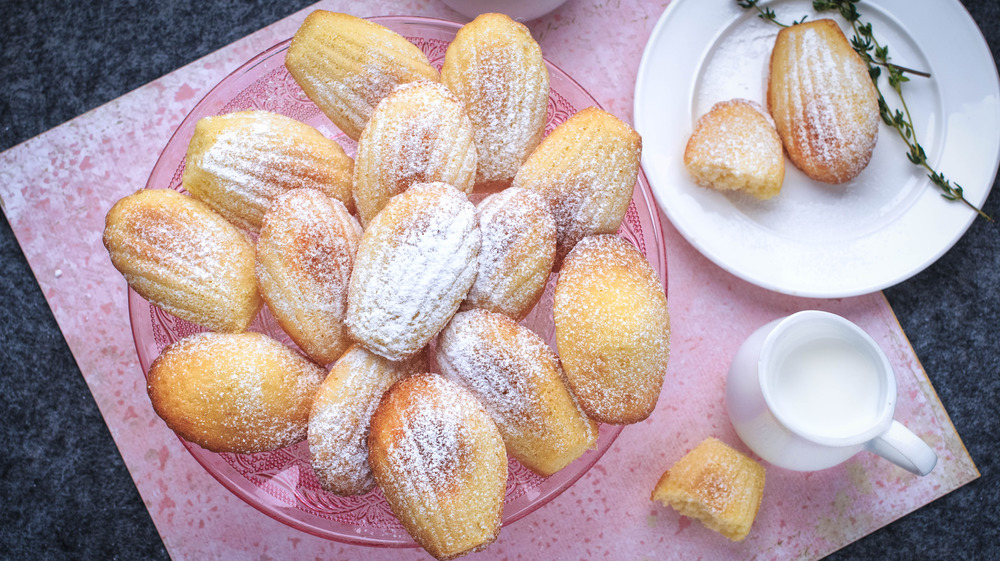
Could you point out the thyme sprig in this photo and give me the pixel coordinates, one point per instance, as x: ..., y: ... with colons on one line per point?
x: 766, y: 14
x: 876, y: 57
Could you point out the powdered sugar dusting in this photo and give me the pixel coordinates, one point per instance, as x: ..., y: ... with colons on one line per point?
x: 415, y: 265
x: 234, y: 392
x: 518, y: 249
x: 475, y: 352
x: 341, y: 417
x: 612, y: 329
x: 717, y: 485
x: 517, y: 378
x: 239, y: 163
x: 305, y: 254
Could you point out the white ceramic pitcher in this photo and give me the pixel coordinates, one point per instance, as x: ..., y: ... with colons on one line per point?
x: 809, y: 391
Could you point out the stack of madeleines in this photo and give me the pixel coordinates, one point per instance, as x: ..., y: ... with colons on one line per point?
x: 381, y: 267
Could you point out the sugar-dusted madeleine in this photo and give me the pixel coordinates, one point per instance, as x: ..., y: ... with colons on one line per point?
x: 184, y: 258
x: 305, y: 254
x: 735, y: 147
x: 346, y: 65
x: 496, y: 68
x: 823, y: 101
x: 341, y: 416
x: 612, y: 329
x: 517, y: 378
x: 439, y: 460
x: 515, y: 259
x: 234, y: 392
x: 715, y: 484
x: 418, y: 134
x: 239, y: 163
x: 415, y: 265
x: 586, y: 170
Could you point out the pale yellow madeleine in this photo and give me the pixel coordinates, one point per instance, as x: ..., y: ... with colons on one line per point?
x: 239, y: 163
x: 517, y: 378
x: 496, y: 69
x: 184, y: 258
x: 234, y: 392
x: 346, y: 65
x: 585, y: 170
x: 612, y: 329
x: 517, y: 252
x: 418, y: 134
x: 439, y: 460
x: 305, y: 254
x: 341, y: 416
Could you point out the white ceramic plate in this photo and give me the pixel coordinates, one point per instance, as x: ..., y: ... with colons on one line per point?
x: 813, y: 239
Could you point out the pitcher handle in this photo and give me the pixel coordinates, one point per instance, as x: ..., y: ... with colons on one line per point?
x: 905, y: 449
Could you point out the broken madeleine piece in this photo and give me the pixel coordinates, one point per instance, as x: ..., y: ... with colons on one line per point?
x: 715, y: 484
x: 735, y: 147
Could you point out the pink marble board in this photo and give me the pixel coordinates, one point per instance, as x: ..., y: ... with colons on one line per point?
x: 56, y: 189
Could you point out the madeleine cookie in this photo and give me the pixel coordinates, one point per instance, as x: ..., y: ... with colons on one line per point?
x: 823, y: 101
x: 496, y: 68
x: 714, y: 484
x: 735, y: 147
x: 240, y: 162
x: 234, y: 392
x: 341, y: 417
x: 418, y: 134
x: 612, y: 329
x: 346, y: 65
x: 184, y: 258
x: 517, y: 378
x: 305, y: 254
x: 515, y: 259
x: 585, y: 170
x: 440, y: 462
x: 416, y: 262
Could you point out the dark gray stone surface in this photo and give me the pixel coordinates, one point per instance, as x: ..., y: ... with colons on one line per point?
x: 64, y: 490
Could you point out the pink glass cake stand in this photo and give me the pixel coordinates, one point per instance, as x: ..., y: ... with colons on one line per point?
x: 281, y: 483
